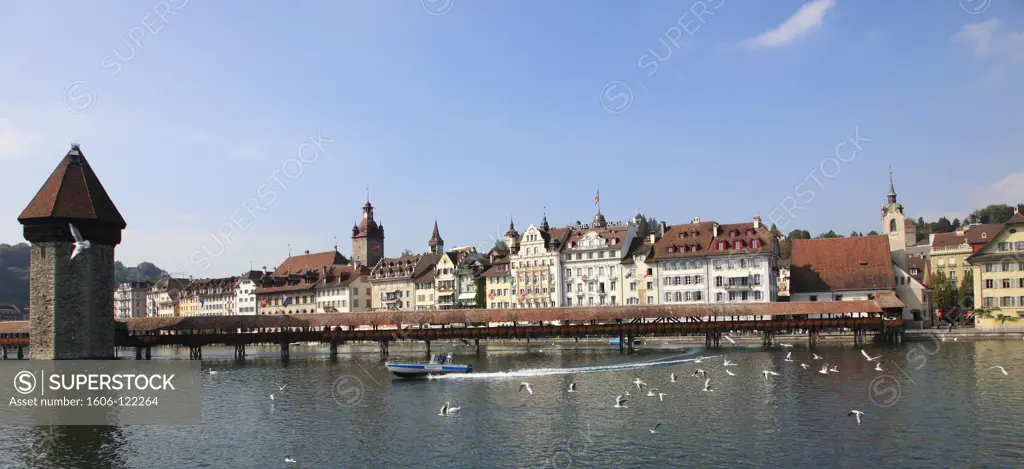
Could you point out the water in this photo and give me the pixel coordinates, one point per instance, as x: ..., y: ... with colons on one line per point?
x: 935, y: 406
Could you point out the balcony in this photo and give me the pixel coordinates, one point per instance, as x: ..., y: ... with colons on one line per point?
x: 738, y: 286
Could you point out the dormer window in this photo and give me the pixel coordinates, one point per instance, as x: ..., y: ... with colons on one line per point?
x: 755, y: 243
x: 670, y: 249
x: 721, y: 245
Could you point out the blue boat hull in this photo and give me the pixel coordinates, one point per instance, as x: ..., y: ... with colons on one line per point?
x: 419, y: 370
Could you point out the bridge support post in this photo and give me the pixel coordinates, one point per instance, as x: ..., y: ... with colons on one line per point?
x: 631, y: 349
x: 384, y: 346
x: 285, y: 351
x: 334, y: 348
x: 195, y: 353
x: 622, y: 342
x: 5, y: 352
x: 428, y: 348
x: 138, y: 353
x: 240, y: 352
x: 149, y: 353
x: 476, y: 343
x: 21, y: 352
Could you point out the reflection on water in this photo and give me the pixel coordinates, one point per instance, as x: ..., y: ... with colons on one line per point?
x: 934, y: 405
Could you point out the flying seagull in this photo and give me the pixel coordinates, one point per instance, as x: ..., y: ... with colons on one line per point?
x: 824, y: 369
x: 730, y: 340
x: 707, y: 384
x: 289, y: 459
x: 661, y: 396
x: 654, y: 429
x: 816, y: 357
x: 572, y: 387
x: 619, y: 401
x: 446, y: 409
x: 730, y: 373
x: 767, y: 372
x: 878, y: 366
x: 672, y: 377
x: 785, y: 345
x: 81, y: 244
x: 639, y: 384
x: 804, y: 366
x: 271, y: 397
x: 1000, y: 369
x: 652, y: 392
x: 525, y: 385
x: 870, y: 359
x: 728, y: 363
x: 834, y: 369
x: 857, y: 413
x: 279, y: 387
x: 789, y: 357
x: 699, y: 371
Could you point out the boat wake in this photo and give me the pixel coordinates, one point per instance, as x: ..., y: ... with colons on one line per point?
x: 673, y: 360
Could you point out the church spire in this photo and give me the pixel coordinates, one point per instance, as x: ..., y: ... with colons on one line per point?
x: 436, y: 243
x: 544, y: 221
x: 892, y: 188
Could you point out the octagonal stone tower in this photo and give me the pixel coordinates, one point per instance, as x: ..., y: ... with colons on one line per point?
x: 71, y: 301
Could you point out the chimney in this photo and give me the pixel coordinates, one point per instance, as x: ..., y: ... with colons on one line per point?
x: 663, y: 228
x: 653, y: 237
x: 757, y: 222
x: 696, y: 220
x: 307, y: 252
x: 714, y: 230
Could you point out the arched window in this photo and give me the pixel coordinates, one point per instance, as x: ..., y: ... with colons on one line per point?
x: 892, y: 226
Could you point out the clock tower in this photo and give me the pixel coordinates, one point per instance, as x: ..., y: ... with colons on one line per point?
x: 367, y: 238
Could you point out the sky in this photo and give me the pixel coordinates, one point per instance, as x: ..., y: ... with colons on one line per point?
x: 228, y: 133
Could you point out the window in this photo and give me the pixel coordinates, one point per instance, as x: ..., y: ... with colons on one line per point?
x: 1020, y: 245
x: 839, y: 297
x: 732, y: 296
x: 600, y: 271
x: 668, y: 297
x: 757, y: 295
x: 815, y: 297
x: 600, y: 255
x: 632, y: 286
x: 679, y: 296
x: 1007, y: 283
x: 989, y: 267
x: 590, y: 255
x: 1003, y: 247
x: 611, y: 270
x: 757, y: 279
x: 650, y: 285
x: 718, y: 297
x: 568, y: 301
x: 718, y: 281
x: 941, y: 263
x: 568, y: 272
x: 613, y: 284
x: 650, y: 300
x: 892, y: 226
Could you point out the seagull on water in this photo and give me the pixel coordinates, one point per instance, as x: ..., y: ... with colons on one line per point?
x: 661, y: 396
x: 824, y: 369
x: 639, y: 384
x: 728, y: 363
x: 654, y: 429
x: 816, y: 356
x: 1000, y: 369
x: 672, y: 377
x: 954, y: 339
x: 572, y: 387
x: 289, y: 459
x: 447, y: 409
x: 730, y: 373
x: 651, y: 392
x: 804, y: 366
x: 271, y: 397
x: 834, y: 369
x: 619, y: 401
x: 81, y: 244
x: 730, y: 340
x: 707, y: 384
x: 697, y: 360
x: 785, y: 345
x: 857, y: 413
x: 878, y: 366
x: 212, y: 371
x: 279, y: 387
x: 789, y: 357
x: 525, y: 385
x: 628, y: 394
x: 699, y: 371
x: 870, y: 359
x: 768, y: 372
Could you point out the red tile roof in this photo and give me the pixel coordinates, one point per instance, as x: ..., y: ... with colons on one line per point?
x: 942, y: 240
x: 697, y: 239
x: 315, y: 262
x: 1015, y: 219
x: 73, y: 191
x: 614, y: 236
x: 835, y: 264
x: 983, y: 233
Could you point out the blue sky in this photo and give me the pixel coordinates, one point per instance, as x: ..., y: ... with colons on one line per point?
x: 474, y: 111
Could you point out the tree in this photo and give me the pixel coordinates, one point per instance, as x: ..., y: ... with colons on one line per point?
x: 995, y: 213
x: 853, y: 234
x: 829, y: 234
x: 786, y: 248
x: 500, y: 245
x: 799, y: 234
x: 406, y: 252
x: 956, y: 223
x: 775, y: 231
x: 942, y: 226
x: 966, y: 292
x: 872, y: 233
x: 481, y: 292
x: 652, y: 224
x: 943, y: 293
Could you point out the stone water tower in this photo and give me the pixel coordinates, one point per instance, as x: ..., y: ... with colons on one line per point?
x: 71, y: 301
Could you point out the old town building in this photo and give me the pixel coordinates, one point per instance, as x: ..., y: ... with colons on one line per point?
x: 162, y: 299
x: 591, y: 262
x: 469, y: 272
x: 344, y: 289
x: 290, y: 289
x: 446, y: 280
x: 245, y: 292
x: 209, y: 297
x: 535, y: 266
x: 392, y: 281
x: 499, y: 284
x: 367, y: 239
x: 130, y: 299
x: 999, y: 275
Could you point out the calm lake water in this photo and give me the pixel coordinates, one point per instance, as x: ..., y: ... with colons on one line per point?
x: 936, y: 404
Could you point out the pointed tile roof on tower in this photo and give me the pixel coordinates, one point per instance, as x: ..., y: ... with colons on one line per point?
x: 73, y: 192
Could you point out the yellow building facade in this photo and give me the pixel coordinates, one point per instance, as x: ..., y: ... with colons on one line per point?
x: 948, y: 254
x: 999, y: 277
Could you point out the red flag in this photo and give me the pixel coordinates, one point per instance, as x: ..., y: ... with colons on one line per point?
x: 597, y: 197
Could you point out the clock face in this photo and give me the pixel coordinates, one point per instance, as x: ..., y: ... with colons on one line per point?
x: 375, y: 246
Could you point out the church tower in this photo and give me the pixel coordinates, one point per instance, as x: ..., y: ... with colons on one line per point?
x: 894, y: 226
x: 512, y: 238
x: 436, y: 243
x: 71, y: 299
x: 368, y: 238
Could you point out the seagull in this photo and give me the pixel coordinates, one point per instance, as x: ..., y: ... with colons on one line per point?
x: 878, y: 366
x: 289, y: 459
x: 526, y: 386
x: 81, y: 244
x: 572, y: 387
x: 730, y: 340
x: 651, y: 392
x: 446, y: 409
x: 728, y: 363
x: 857, y: 413
x: 628, y: 394
x: 816, y: 357
x: 639, y: 384
x: 1000, y: 369
x: 699, y: 371
x: 279, y: 387
x: 271, y: 397
x: 804, y: 366
x: 661, y: 396
x: 785, y: 345
x: 730, y: 373
x: 789, y: 357
x: 767, y: 372
x: 697, y: 360
x: 654, y: 429
x: 212, y: 372
x: 619, y: 401
x: 824, y: 369
x: 954, y: 339
x: 870, y: 359
x: 834, y: 369
x: 707, y: 384
x: 672, y: 377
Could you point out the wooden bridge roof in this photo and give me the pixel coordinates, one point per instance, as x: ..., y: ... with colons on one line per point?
x: 598, y: 313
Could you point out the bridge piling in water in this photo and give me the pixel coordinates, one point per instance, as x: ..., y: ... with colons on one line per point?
x: 5, y: 352
x: 285, y: 351
x: 384, y: 349
x: 476, y: 344
x: 239, y: 351
x: 334, y: 348
x: 138, y: 353
x: 21, y: 353
x: 428, y: 348
x: 195, y: 353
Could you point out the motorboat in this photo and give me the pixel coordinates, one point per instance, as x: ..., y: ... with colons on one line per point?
x: 420, y: 370
x: 615, y: 342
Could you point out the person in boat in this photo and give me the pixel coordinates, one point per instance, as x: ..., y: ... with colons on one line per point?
x: 450, y: 357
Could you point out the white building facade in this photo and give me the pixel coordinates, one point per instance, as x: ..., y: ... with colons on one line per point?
x: 536, y: 269
x: 245, y: 293
x: 591, y: 263
x: 130, y: 299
